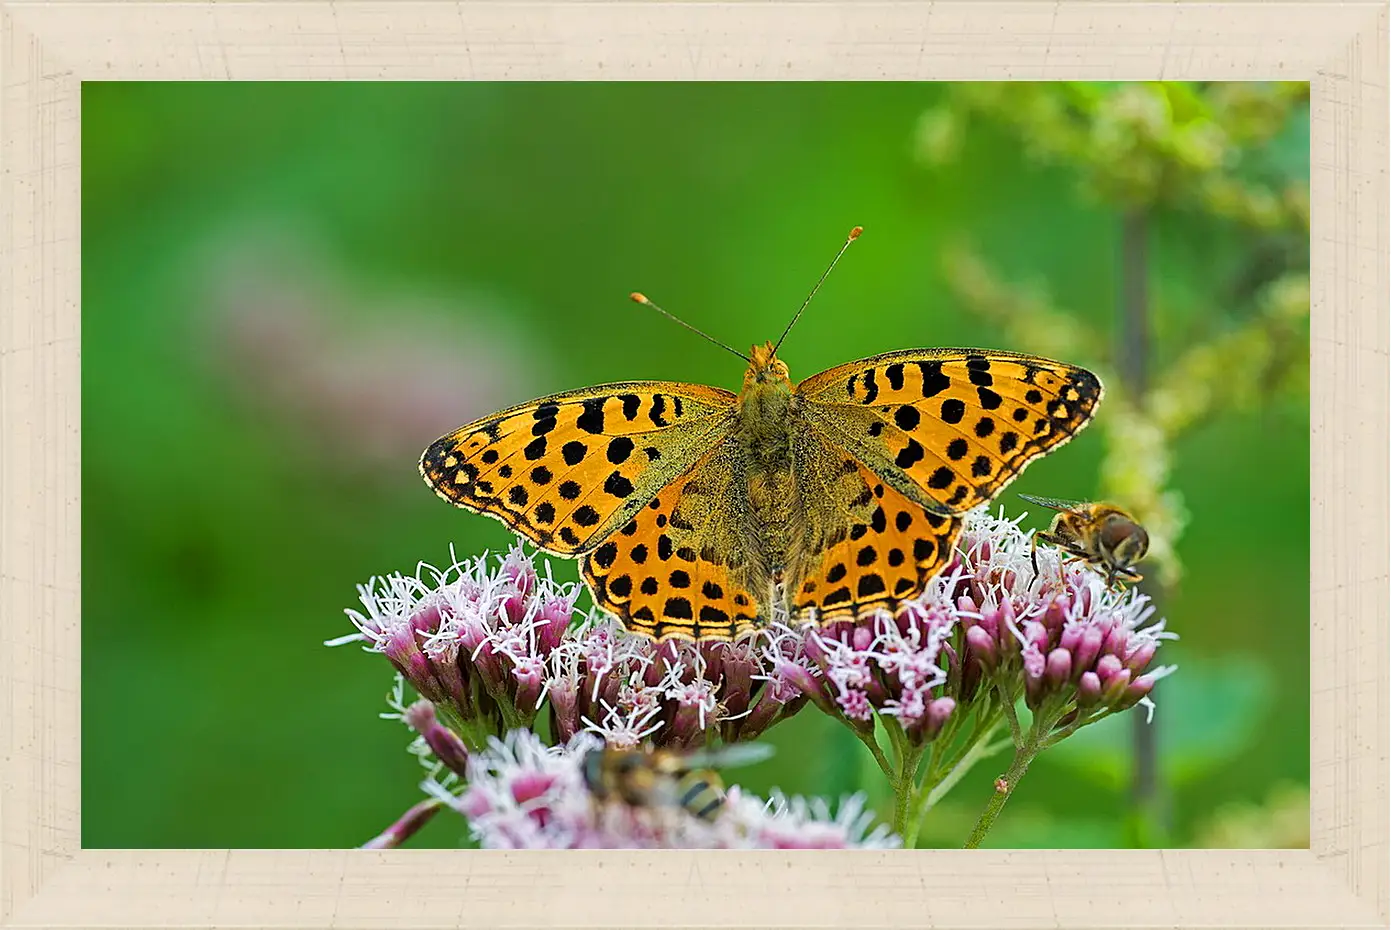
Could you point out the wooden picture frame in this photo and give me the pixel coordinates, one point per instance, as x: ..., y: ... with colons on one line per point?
x: 49, y: 47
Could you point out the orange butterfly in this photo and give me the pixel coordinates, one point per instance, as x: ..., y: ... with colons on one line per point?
x: 698, y: 512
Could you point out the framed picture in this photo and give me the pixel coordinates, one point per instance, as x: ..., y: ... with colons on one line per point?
x: 895, y: 421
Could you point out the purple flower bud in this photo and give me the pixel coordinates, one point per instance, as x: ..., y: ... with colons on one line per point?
x: 1009, y: 617
x: 982, y: 647
x: 400, y: 647
x: 443, y: 742
x: 737, y: 675
x: 1088, y: 649
x: 1088, y: 689
x: 764, y: 711
x: 1034, y: 666
x: 528, y: 671
x: 685, y: 726
x: 1059, y: 667
x: 565, y: 713
x: 1107, y: 667
x: 812, y: 648
x: 514, y: 608
x: 1071, y: 637
x: 1140, y: 654
x: 1139, y: 688
x: 1115, y: 687
x: 520, y: 570
x: 937, y: 713
x: 457, y: 686
x: 490, y: 669
x: 470, y: 633
x: 1116, y: 641
x: 427, y: 619
x: 861, y: 638
x: 991, y: 620
x: 1036, y: 635
x: 553, y: 619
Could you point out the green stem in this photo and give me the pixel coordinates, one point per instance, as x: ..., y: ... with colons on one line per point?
x: 1027, y: 746
x: 875, y: 750
x: 1023, y: 755
x: 904, y: 793
x: 945, y: 771
x: 1007, y: 704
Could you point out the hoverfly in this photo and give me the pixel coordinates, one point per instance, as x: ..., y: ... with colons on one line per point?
x: 647, y: 779
x: 1098, y: 534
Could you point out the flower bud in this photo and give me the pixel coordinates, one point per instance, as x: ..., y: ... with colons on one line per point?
x: 443, y: 742
x: 1058, y: 668
x: 1088, y: 689
x: 937, y: 713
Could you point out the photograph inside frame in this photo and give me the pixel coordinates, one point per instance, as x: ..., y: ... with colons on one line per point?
x: 817, y: 465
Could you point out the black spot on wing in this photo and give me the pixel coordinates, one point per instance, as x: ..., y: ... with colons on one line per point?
x: 592, y: 419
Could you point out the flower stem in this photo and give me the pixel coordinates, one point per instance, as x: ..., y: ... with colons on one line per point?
x: 1007, y: 704
x: 905, y: 784
x: 1004, y: 787
x: 406, y: 826
x: 876, y: 751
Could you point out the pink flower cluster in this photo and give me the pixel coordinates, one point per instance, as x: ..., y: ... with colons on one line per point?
x: 985, y: 614
x: 887, y: 665
x: 493, y: 644
x: 522, y: 794
x: 1070, y: 636
x: 474, y: 641
x: 490, y: 645
x: 628, y: 690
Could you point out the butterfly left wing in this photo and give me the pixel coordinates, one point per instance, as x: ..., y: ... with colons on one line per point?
x: 950, y: 428
x: 683, y: 568
x: 567, y: 471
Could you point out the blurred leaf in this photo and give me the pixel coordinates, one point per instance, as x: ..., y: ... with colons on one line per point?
x: 1281, y: 821
x: 1208, y: 712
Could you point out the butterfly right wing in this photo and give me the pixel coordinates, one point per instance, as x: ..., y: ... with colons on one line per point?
x: 568, y: 470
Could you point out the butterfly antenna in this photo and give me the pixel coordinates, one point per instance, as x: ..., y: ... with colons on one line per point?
x: 640, y: 298
x: 854, y: 234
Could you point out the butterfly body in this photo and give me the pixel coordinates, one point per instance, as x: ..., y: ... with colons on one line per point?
x: 699, y: 514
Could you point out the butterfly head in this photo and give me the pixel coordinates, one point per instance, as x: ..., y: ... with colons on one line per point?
x: 765, y: 368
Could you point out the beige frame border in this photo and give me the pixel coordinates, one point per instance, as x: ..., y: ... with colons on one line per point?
x: 48, y: 48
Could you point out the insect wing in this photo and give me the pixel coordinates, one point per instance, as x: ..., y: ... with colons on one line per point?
x: 731, y: 756
x: 1053, y: 503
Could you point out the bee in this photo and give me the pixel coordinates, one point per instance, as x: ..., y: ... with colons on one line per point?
x: 1098, y: 534
x: 656, y: 779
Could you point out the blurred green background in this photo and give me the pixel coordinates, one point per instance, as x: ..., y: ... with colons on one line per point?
x: 290, y: 289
